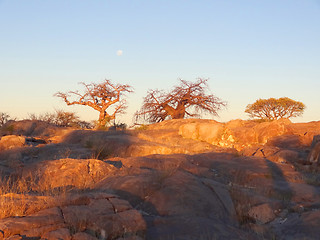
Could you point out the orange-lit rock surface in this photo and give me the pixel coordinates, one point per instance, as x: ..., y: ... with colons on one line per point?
x: 179, y: 179
x: 240, y: 134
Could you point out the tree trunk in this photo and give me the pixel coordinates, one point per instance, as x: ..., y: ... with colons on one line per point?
x: 179, y: 112
x: 176, y: 113
x: 104, y: 118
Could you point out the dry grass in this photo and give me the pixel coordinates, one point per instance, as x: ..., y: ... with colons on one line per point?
x: 242, y: 203
x: 10, y: 207
x: 100, y: 149
x: 21, y: 196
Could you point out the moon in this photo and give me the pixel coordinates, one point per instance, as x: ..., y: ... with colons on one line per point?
x: 119, y: 52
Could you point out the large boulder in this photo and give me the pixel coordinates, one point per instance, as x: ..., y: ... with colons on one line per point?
x: 12, y: 141
x: 262, y: 213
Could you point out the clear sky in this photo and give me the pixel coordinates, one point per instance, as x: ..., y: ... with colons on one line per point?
x: 248, y: 49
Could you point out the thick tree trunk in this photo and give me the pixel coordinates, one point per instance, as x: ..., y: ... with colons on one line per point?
x: 177, y: 113
x: 104, y: 118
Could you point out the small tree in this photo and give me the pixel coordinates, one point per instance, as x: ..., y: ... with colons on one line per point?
x: 186, y: 99
x: 101, y: 97
x: 4, y: 118
x: 273, y: 109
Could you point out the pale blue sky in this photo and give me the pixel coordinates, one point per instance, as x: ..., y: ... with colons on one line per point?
x: 249, y: 49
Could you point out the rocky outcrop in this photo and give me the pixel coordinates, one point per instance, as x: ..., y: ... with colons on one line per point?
x: 240, y: 134
x: 87, y: 216
x: 179, y: 179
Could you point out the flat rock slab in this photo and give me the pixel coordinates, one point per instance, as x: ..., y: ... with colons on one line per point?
x: 99, y: 215
x: 32, y: 225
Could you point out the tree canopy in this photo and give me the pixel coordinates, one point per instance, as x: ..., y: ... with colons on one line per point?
x: 273, y: 109
x: 188, y: 99
x: 101, y: 97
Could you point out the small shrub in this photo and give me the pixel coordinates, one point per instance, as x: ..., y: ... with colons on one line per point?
x: 61, y: 118
x: 85, y: 125
x: 102, y: 152
x: 44, y: 117
x: 141, y: 127
x: 121, y: 126
x: 100, y: 149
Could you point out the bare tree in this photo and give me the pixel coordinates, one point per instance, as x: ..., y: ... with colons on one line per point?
x: 101, y: 97
x: 4, y: 118
x: 187, y: 99
x: 273, y: 109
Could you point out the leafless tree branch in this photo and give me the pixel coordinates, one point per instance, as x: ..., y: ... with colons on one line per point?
x: 186, y: 99
x: 100, y: 97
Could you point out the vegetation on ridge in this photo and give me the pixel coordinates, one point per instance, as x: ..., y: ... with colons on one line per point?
x: 186, y: 99
x: 101, y: 97
x: 273, y: 109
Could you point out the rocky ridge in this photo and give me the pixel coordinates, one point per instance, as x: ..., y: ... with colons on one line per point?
x: 179, y: 179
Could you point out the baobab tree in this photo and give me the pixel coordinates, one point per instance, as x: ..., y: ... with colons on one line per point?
x: 188, y: 99
x: 101, y: 97
x: 273, y: 109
